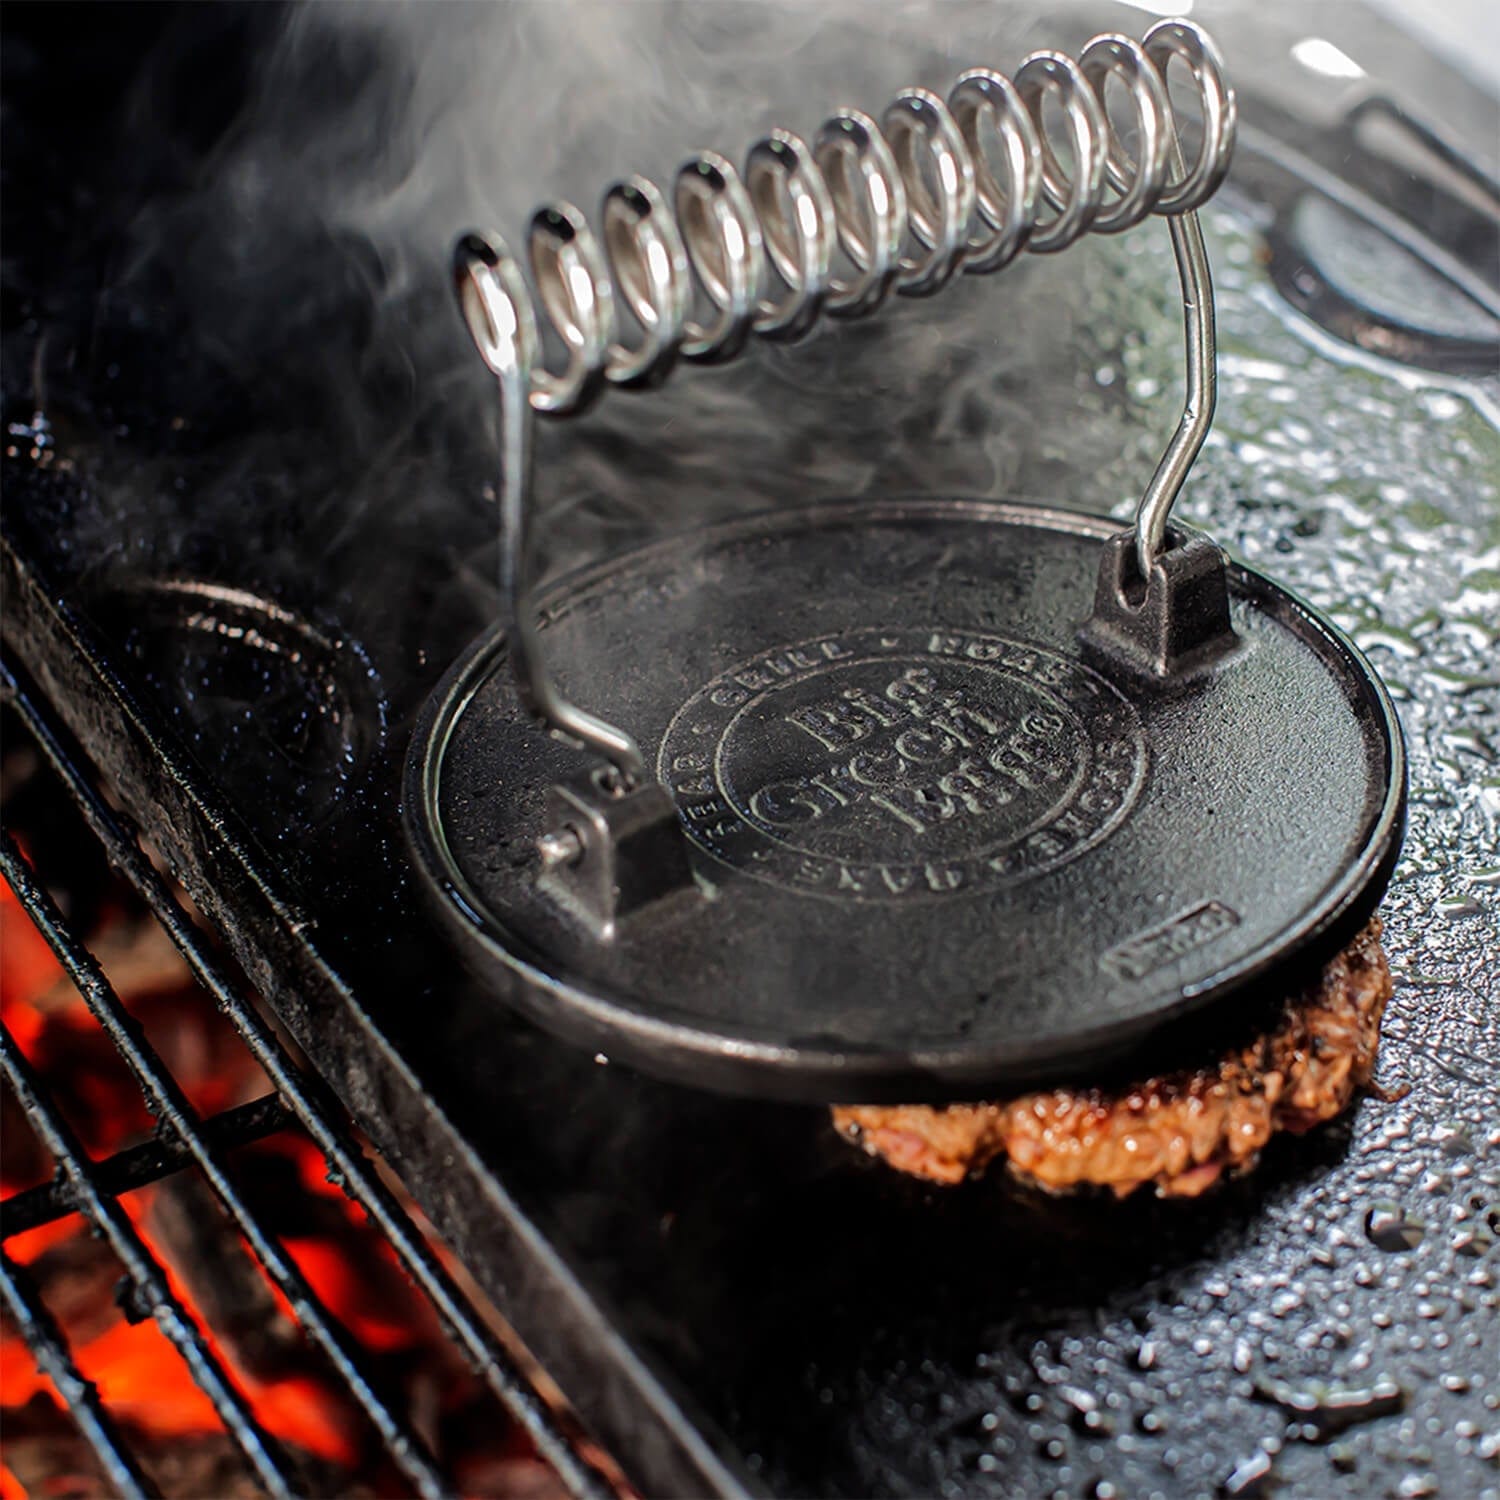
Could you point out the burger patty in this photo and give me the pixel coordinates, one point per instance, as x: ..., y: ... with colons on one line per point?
x: 1181, y: 1131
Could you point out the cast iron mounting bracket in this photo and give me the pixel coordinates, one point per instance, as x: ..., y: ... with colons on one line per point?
x: 1169, y: 626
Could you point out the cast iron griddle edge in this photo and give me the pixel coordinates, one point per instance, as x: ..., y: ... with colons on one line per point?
x: 1201, y: 1020
x: 624, y: 1398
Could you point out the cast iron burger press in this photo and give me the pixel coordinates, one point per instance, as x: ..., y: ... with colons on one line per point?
x: 865, y: 840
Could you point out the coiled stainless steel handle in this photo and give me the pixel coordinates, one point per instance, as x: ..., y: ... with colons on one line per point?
x: 758, y: 252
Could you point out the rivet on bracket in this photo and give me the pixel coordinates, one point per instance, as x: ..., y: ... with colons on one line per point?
x: 609, y: 852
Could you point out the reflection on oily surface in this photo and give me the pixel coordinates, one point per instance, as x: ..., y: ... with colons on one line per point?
x: 917, y: 1341
x: 262, y: 694
x: 852, y: 1333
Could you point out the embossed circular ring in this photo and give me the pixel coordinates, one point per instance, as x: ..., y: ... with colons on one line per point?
x: 938, y: 848
x: 892, y: 764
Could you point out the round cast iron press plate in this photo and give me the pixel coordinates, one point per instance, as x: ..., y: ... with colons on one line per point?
x: 883, y: 918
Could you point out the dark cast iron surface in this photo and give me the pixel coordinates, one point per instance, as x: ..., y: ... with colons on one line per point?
x: 732, y: 1297
x: 938, y: 846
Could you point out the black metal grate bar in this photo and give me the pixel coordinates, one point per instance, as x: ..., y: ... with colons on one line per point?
x: 177, y: 1116
x: 138, y: 1166
x: 307, y: 1099
x: 261, y: 1450
x: 80, y: 1395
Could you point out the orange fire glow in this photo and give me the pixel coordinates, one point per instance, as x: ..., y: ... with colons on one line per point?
x: 145, y: 1383
x: 28, y: 967
x: 139, y: 1375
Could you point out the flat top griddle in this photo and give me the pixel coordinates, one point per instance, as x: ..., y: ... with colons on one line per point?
x: 734, y: 1299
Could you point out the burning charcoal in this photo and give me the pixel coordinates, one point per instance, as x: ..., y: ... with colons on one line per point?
x: 23, y: 1159
x: 200, y: 1244
x: 81, y: 1277
x: 48, y: 1456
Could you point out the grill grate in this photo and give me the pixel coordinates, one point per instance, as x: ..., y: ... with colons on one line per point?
x: 46, y: 1341
x: 185, y: 1139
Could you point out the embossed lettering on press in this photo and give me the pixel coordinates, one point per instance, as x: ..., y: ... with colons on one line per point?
x: 903, y: 765
x: 1138, y: 956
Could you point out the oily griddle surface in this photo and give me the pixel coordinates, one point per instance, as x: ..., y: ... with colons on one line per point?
x: 831, y: 1327
x: 840, y: 1329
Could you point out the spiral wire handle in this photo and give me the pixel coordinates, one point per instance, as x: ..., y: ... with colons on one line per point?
x: 909, y: 202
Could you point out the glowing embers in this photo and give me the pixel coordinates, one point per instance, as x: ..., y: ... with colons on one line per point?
x: 166, y: 1417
